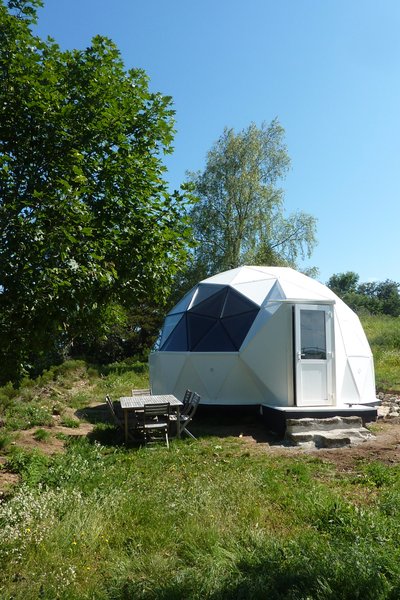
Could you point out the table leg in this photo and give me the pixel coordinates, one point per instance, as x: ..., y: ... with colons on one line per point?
x: 178, y: 422
x: 126, y: 424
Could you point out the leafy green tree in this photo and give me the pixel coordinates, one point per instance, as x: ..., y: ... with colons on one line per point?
x: 239, y: 217
x: 86, y: 222
x: 383, y: 297
x: 343, y: 283
x: 377, y: 297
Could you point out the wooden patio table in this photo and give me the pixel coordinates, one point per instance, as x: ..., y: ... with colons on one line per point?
x: 136, y: 404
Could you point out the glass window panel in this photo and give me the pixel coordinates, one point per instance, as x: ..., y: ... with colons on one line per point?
x: 238, y: 326
x: 212, y: 307
x: 236, y: 304
x: 169, y: 325
x: 205, y: 290
x: 216, y: 340
x: 312, y: 334
x: 184, y: 303
x: 177, y: 341
x: 198, y: 326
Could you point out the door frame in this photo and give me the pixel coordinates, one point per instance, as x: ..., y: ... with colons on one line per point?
x: 329, y: 363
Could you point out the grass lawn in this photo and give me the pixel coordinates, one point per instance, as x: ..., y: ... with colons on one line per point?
x: 207, y: 519
x: 217, y: 518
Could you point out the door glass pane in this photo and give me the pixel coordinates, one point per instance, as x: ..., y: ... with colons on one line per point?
x: 313, y: 336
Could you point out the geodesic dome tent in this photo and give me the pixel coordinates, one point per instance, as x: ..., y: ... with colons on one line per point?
x: 264, y: 335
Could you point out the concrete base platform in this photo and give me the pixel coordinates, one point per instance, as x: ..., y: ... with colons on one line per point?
x: 275, y: 417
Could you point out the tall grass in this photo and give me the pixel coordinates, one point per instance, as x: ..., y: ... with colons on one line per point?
x: 74, y: 384
x: 383, y: 334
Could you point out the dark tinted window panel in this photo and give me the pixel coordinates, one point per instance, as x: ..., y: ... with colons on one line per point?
x: 205, y: 291
x: 198, y: 327
x: 238, y: 326
x: 236, y: 303
x: 184, y: 303
x: 177, y: 341
x: 216, y: 340
x: 212, y: 307
x: 169, y: 325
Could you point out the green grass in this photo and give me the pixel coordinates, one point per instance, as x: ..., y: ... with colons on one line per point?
x: 73, y: 384
x: 42, y: 435
x: 203, y: 520
x: 70, y: 422
x: 211, y: 519
x: 384, y: 337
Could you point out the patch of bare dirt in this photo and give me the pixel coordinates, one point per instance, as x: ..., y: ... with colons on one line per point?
x: 385, y: 447
x: 51, y: 445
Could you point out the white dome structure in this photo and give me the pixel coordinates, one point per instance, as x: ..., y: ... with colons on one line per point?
x: 266, y: 336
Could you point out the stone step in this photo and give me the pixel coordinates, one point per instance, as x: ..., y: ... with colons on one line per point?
x: 329, y: 439
x: 320, y: 424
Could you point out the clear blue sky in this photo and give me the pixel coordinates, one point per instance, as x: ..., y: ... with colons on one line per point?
x: 328, y: 69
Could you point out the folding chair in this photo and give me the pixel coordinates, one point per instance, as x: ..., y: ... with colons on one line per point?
x: 155, y: 422
x: 187, y: 397
x: 187, y: 413
x: 141, y: 392
x: 118, y: 417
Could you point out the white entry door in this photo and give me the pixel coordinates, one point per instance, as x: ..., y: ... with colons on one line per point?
x: 314, y: 355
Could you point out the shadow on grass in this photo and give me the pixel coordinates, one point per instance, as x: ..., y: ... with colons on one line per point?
x: 282, y: 576
x: 231, y: 421
x: 208, y: 422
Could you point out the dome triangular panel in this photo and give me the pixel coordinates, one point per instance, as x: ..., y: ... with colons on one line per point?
x: 198, y: 327
x: 177, y: 341
x: 235, y: 304
x: 224, y: 278
x: 211, y: 306
x: 359, y: 367
x: 275, y: 294
x: 299, y: 292
x: 184, y: 303
x: 256, y: 291
x: 214, y: 374
x: 203, y: 292
x: 248, y: 275
x: 216, y: 340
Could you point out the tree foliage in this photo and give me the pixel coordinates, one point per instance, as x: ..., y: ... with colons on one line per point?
x: 343, y: 283
x: 378, y: 297
x: 240, y: 218
x: 86, y: 223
